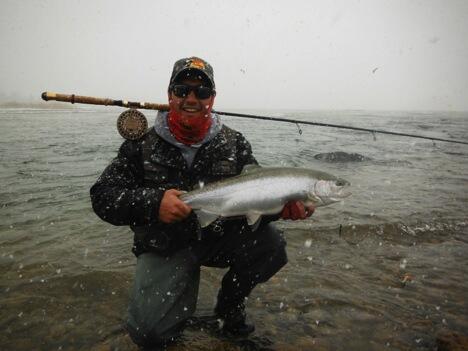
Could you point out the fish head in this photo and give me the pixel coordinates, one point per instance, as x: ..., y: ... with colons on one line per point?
x: 325, y: 192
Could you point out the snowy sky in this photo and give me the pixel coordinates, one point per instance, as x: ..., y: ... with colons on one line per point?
x: 267, y: 54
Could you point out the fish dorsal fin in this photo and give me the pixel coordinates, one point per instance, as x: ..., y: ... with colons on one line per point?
x: 251, y: 168
x: 253, y: 219
x: 205, y: 218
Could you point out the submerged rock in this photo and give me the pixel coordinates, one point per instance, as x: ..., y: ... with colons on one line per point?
x: 340, y: 156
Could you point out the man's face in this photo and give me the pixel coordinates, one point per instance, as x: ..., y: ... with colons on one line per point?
x: 190, y: 106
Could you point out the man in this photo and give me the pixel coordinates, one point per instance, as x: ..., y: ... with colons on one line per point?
x: 141, y: 188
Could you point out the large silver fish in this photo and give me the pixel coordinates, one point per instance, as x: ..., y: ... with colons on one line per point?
x: 261, y: 191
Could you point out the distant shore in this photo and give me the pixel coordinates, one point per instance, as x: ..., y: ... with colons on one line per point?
x: 37, y: 105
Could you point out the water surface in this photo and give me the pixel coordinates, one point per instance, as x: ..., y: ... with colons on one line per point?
x: 393, y: 278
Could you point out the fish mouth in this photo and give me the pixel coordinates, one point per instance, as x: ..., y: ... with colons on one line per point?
x: 342, y: 194
x: 342, y: 188
x: 341, y: 191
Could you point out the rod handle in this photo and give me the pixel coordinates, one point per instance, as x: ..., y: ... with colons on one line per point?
x: 78, y: 99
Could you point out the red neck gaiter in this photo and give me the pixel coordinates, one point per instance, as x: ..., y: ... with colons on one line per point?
x: 188, y: 130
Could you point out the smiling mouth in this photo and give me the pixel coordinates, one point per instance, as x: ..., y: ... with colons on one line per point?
x: 191, y: 109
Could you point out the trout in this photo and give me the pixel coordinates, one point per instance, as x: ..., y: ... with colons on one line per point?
x: 259, y: 191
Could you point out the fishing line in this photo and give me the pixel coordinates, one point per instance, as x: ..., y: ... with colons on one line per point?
x: 331, y: 125
x: 299, y: 130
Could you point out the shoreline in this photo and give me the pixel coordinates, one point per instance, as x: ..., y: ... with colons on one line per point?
x: 65, y: 105
x: 37, y: 105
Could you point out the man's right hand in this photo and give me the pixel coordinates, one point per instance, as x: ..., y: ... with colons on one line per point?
x: 173, y: 209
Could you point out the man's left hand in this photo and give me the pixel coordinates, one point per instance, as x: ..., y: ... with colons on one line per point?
x: 296, y: 210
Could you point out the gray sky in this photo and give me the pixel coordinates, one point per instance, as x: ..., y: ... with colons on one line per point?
x: 266, y: 54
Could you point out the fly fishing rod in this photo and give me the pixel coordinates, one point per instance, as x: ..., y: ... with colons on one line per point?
x: 132, y: 124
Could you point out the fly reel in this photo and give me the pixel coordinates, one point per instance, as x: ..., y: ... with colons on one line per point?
x: 132, y: 124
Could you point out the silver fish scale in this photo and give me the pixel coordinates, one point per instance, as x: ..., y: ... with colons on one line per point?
x: 265, y: 191
x: 266, y: 195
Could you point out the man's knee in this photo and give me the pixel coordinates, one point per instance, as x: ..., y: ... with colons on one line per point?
x: 272, y: 238
x: 279, y: 256
x: 163, y: 297
x: 271, y: 246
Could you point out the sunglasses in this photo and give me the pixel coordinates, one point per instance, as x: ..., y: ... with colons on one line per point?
x: 201, y: 92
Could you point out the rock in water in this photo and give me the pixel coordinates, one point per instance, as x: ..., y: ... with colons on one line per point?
x: 340, y: 156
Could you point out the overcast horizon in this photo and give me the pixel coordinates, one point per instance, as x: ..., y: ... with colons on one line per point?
x: 338, y: 55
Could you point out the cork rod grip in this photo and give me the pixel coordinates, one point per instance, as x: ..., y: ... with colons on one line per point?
x: 78, y: 99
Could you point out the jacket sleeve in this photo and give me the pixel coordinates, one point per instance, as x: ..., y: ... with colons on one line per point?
x: 119, y: 196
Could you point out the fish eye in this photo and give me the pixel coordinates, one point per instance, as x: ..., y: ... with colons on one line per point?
x: 341, y: 182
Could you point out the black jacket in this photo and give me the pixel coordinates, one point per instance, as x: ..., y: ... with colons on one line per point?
x: 130, y: 189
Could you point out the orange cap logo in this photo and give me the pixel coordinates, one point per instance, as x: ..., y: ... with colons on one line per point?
x: 197, y: 63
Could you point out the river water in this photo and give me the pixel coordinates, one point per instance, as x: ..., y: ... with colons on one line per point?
x: 393, y: 278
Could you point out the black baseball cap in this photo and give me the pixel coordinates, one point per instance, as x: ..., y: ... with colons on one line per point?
x: 191, y: 65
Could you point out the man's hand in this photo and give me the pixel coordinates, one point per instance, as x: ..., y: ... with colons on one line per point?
x: 173, y: 209
x: 296, y: 210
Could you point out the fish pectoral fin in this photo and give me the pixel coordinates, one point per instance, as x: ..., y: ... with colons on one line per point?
x: 254, y: 219
x: 205, y: 218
